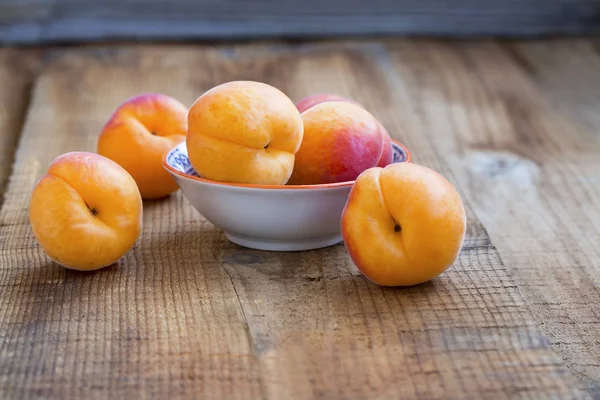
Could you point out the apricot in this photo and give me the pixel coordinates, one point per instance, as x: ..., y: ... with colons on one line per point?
x: 403, y: 224
x: 244, y: 132
x: 341, y: 139
x: 86, y: 211
x: 312, y: 100
x: 137, y: 136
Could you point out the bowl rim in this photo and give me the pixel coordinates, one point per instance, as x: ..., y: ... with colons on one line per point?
x: 270, y: 186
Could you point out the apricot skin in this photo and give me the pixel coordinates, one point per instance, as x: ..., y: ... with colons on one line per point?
x: 312, y: 100
x: 86, y: 211
x: 244, y: 132
x: 137, y: 136
x: 403, y: 224
x: 341, y: 139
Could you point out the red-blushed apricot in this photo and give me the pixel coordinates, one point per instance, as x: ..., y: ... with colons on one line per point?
x: 312, y: 100
x: 341, y: 139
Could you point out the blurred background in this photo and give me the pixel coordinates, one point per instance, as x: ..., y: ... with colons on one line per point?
x: 28, y: 22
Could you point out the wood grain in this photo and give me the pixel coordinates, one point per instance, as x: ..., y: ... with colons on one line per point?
x: 518, y: 127
x: 26, y: 22
x: 186, y: 314
x: 17, y: 68
x: 569, y: 196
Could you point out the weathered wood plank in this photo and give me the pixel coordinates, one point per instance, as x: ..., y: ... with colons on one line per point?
x: 518, y: 128
x: 563, y: 71
x: 85, y: 21
x: 188, y: 314
x: 165, y: 322
x: 17, y: 70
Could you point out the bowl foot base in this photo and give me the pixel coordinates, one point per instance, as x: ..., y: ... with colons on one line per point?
x: 282, y: 245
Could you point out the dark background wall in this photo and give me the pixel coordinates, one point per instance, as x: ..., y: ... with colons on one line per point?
x: 43, y: 21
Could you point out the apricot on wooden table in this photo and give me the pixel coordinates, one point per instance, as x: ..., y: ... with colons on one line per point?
x: 86, y: 211
x: 137, y: 136
x: 403, y: 224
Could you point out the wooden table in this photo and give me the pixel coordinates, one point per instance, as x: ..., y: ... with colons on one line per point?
x: 186, y: 314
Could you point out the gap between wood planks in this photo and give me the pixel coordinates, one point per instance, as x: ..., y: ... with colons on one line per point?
x: 18, y: 69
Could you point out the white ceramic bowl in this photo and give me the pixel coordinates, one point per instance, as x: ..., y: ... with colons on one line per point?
x: 268, y: 217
